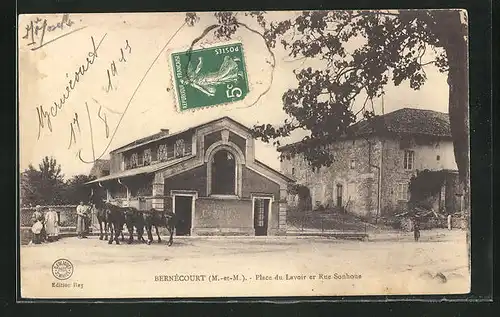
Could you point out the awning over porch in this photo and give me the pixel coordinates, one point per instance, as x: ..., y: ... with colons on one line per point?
x: 138, y: 171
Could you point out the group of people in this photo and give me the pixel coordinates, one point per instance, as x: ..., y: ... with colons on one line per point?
x: 45, y: 225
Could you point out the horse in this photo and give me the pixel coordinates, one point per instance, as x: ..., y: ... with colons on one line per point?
x: 134, y: 218
x: 115, y: 219
x: 102, y: 215
x: 156, y: 218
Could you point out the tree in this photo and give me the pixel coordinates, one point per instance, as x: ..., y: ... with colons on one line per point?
x: 392, y: 46
x: 424, y: 187
x: 30, y: 180
x: 42, y: 186
x: 75, y: 191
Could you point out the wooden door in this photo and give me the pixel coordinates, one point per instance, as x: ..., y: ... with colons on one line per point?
x: 261, y: 216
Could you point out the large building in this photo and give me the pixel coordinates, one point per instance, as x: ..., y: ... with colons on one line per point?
x: 208, y: 175
x: 373, y: 167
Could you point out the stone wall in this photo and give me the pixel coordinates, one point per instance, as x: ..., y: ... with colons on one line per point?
x: 351, y: 170
x: 67, y: 215
x: 223, y: 216
x: 359, y: 180
x: 67, y: 221
x: 393, y: 172
x: 232, y: 217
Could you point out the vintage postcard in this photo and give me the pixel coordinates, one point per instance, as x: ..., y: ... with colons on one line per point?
x: 243, y: 154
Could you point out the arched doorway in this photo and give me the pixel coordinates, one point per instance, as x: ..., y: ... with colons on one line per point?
x: 223, y: 169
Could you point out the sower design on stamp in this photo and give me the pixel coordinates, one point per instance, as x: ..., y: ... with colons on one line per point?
x: 209, y: 76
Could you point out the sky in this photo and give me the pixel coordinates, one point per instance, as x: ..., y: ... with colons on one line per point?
x: 94, y: 119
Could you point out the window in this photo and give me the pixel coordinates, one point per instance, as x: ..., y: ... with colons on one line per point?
x: 353, y: 164
x: 403, y: 192
x: 409, y: 160
x: 134, y: 160
x: 162, y: 152
x: 293, y: 170
x: 438, y: 157
x: 339, y: 194
x: 154, y: 155
x: 223, y: 173
x: 170, y: 151
x: 147, y: 156
x: 188, y: 147
x: 140, y: 159
x: 351, y: 191
x: 179, y: 148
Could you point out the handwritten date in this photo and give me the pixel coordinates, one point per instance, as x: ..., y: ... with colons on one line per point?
x: 112, y: 71
x: 38, y: 28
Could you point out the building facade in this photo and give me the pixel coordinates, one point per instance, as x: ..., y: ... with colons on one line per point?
x: 207, y: 175
x: 373, y: 166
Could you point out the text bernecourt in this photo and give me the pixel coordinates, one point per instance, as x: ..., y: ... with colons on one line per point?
x: 256, y: 277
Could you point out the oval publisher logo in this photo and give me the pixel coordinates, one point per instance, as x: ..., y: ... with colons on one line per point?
x: 62, y: 269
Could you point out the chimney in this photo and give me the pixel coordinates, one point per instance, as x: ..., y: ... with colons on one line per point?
x: 164, y: 131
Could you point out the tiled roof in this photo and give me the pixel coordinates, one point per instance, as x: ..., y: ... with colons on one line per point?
x: 404, y: 121
x: 99, y: 168
x: 165, y: 135
x: 408, y: 121
x: 141, y: 170
x: 101, y: 164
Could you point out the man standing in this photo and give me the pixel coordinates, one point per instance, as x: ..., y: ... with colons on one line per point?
x: 81, y: 213
x: 416, y: 229
x: 449, y: 221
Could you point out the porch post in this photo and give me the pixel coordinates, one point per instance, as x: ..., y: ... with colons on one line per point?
x: 158, y: 190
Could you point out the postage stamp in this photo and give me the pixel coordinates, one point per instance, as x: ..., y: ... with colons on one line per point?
x: 209, y: 76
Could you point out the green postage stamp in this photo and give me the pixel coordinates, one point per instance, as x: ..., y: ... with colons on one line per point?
x: 209, y: 76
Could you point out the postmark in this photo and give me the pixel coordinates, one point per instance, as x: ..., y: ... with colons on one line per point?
x: 62, y: 269
x: 209, y: 76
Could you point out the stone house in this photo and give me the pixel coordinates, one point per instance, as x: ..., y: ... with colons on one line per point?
x: 374, y: 164
x: 207, y: 174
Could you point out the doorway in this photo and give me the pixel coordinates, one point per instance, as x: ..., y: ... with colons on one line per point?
x: 183, y: 211
x: 339, y: 195
x: 261, y: 208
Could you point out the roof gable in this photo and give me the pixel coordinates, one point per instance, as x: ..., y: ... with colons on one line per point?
x: 164, y: 135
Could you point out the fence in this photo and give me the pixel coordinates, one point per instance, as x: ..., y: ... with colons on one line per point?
x: 324, y: 221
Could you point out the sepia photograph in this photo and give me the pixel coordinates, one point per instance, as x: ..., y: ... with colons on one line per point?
x: 191, y: 155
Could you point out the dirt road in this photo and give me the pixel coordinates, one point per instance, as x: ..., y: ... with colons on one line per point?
x: 277, y: 266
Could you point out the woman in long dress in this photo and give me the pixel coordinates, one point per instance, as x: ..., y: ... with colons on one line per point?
x: 37, y: 222
x: 52, y: 225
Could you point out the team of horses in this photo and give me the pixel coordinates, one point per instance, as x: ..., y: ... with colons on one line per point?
x: 113, y: 218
